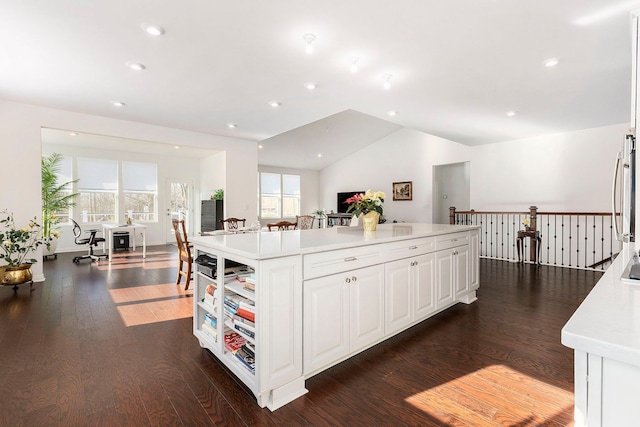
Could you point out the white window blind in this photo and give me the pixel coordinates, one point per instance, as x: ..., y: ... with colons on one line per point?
x: 140, y: 177
x: 97, y: 174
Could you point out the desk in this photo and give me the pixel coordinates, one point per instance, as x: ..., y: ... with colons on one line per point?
x: 536, y: 245
x: 109, y: 229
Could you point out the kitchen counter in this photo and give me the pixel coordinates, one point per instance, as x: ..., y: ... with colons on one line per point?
x: 267, y: 245
x: 605, y: 335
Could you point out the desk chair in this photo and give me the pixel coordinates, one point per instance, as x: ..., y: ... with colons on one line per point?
x: 282, y: 226
x: 232, y: 223
x: 304, y: 222
x: 184, y: 252
x: 91, y: 241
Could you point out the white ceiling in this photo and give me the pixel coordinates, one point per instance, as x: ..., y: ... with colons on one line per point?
x: 457, y: 67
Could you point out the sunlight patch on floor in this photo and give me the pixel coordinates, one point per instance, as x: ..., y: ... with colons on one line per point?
x: 141, y: 305
x: 495, y: 395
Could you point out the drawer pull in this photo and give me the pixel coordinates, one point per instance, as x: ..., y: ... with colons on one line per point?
x: 413, y: 247
x: 454, y: 240
x: 347, y: 280
x: 351, y: 258
x: 354, y: 279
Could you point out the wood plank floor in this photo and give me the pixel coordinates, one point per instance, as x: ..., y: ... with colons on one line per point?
x: 100, y: 346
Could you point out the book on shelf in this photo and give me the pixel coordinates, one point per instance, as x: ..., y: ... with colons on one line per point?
x: 234, y: 300
x: 245, y: 330
x: 246, y: 358
x: 242, y: 320
x: 250, y: 348
x: 247, y: 305
x: 251, y: 278
x: 249, y: 315
x: 210, y: 320
x: 249, y: 286
x: 233, y: 341
x: 209, y: 330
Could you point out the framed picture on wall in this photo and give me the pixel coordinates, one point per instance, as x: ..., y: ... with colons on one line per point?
x: 403, y: 190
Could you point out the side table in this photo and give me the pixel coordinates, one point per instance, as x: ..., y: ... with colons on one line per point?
x: 536, y: 245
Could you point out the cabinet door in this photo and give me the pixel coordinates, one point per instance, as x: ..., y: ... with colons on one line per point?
x: 423, y: 275
x: 366, y: 305
x: 474, y: 258
x: 326, y: 321
x: 398, y: 283
x: 461, y: 269
x: 444, y: 278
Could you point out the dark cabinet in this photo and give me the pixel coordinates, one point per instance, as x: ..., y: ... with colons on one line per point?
x: 211, y: 212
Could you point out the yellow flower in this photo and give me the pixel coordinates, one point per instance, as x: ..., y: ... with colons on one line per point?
x: 54, y: 216
x: 25, y: 229
x: 55, y: 233
x: 31, y: 224
x: 7, y: 243
x: 380, y: 195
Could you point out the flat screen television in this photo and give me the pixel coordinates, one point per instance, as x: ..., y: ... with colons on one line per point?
x: 342, y: 206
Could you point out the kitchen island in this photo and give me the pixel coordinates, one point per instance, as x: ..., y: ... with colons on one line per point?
x: 605, y: 335
x: 317, y: 297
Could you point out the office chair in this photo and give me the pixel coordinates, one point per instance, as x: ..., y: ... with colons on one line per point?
x: 184, y: 252
x: 91, y: 241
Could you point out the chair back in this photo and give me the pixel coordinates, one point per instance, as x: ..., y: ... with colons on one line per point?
x: 232, y: 223
x: 180, y: 231
x: 304, y: 222
x: 77, y: 231
x: 282, y: 226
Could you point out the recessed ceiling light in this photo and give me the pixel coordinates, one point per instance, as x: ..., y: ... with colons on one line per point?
x: 153, y: 30
x: 309, y: 39
x: 136, y: 66
x: 387, y: 80
x: 392, y: 112
x: 274, y: 104
x: 73, y: 133
x: 310, y: 86
x: 551, y: 62
x: 354, y: 64
x: 177, y: 147
x: 118, y: 104
x: 511, y: 113
x: 260, y: 146
x: 231, y: 125
x: 319, y: 155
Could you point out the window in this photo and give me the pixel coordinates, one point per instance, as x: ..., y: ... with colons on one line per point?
x: 98, y: 189
x: 279, y: 195
x: 140, y: 190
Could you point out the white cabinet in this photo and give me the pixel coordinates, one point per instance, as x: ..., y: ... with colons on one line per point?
x: 343, y: 313
x: 452, y: 275
x: 409, y: 291
x: 275, y: 333
x: 474, y: 258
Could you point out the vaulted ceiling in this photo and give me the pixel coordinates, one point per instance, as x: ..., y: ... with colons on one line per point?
x: 456, y: 67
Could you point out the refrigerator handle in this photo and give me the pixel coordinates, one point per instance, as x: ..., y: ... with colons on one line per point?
x: 614, y: 212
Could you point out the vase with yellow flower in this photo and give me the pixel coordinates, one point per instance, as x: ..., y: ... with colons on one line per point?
x: 368, y: 207
x: 17, y: 247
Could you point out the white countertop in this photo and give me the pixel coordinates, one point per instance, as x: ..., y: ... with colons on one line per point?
x: 607, y: 323
x: 274, y: 244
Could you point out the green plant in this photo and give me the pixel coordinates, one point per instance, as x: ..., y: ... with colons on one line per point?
x: 55, y: 196
x: 366, y: 202
x: 219, y: 194
x: 16, y: 243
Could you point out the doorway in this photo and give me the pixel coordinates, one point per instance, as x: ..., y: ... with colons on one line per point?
x: 451, y: 187
x: 178, y: 196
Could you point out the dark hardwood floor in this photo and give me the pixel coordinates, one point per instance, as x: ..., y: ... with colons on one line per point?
x: 94, y: 346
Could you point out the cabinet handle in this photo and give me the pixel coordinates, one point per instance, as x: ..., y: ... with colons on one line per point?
x: 347, y: 280
x: 354, y: 278
x: 454, y: 240
x: 351, y: 258
x: 413, y: 247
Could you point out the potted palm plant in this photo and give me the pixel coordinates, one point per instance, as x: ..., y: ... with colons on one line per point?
x: 56, y: 198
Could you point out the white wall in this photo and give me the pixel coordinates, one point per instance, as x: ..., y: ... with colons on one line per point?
x: 309, y: 187
x: 405, y: 155
x: 562, y: 172
x: 20, y: 143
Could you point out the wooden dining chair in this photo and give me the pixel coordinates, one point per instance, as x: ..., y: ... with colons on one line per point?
x: 184, y: 252
x: 304, y: 222
x: 232, y: 223
x: 282, y: 226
